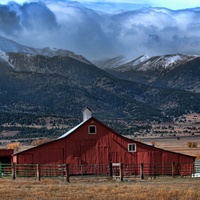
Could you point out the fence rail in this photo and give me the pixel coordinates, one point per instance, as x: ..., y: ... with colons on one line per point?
x: 112, y: 170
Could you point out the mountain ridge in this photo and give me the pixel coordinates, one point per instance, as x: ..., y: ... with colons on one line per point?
x: 9, y: 46
x: 160, y: 71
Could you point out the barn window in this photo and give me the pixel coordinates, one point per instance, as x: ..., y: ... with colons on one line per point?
x: 92, y: 129
x: 131, y: 147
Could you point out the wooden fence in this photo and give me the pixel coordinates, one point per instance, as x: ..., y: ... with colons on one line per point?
x: 114, y: 170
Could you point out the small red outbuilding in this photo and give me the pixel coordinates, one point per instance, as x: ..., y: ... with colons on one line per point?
x: 92, y: 142
x: 6, y: 155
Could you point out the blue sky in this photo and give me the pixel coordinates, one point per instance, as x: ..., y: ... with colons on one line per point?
x: 144, y: 30
x: 112, y: 5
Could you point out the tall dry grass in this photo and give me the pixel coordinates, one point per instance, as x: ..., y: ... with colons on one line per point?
x: 197, y: 156
x: 159, y: 189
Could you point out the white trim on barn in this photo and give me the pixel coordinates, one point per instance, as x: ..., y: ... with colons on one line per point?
x: 70, y: 131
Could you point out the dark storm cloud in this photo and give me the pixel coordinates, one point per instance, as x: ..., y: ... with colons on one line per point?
x: 17, y: 19
x: 36, y: 16
x: 9, y: 20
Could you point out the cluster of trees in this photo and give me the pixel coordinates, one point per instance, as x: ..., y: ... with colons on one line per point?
x: 192, y: 144
x: 129, y: 127
x: 33, y: 119
x: 33, y: 125
x: 17, y: 118
x: 15, y: 146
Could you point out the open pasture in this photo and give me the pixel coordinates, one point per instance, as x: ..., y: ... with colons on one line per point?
x: 176, y: 144
x: 54, y: 189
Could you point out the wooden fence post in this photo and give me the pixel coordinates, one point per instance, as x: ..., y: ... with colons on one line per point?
x: 193, y: 169
x: 173, y: 169
x: 66, y: 173
x: 111, y: 170
x: 179, y: 169
x: 154, y: 170
x: 13, y: 171
x: 121, y: 171
x: 142, y: 171
x: 38, y: 172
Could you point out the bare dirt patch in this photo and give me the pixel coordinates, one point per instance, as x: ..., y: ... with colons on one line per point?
x: 9, y: 133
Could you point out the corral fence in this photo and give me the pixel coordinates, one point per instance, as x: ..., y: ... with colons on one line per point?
x: 113, y: 170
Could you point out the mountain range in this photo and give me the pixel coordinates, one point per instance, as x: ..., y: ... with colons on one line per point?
x: 59, y: 82
x: 168, y: 71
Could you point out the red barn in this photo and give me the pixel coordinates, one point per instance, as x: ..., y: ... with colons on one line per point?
x: 92, y: 142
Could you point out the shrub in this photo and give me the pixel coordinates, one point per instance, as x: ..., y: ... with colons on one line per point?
x: 15, y: 146
x: 153, y: 143
x: 192, y: 144
x: 40, y: 141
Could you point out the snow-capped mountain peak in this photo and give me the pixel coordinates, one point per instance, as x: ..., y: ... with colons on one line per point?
x: 8, y: 46
x: 133, y: 63
x: 111, y: 63
x: 164, y: 63
x: 156, y: 63
x: 3, y: 56
x: 116, y: 62
x: 145, y: 63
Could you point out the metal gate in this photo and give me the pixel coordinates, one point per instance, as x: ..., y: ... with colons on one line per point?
x: 196, y: 169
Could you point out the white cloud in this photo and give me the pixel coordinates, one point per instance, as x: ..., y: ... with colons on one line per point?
x: 71, y: 26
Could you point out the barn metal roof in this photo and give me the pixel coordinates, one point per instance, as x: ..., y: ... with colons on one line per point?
x: 71, y: 130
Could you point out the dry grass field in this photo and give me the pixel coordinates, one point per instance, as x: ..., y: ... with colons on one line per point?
x: 162, y: 188
x: 177, y: 145
x: 152, y: 189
